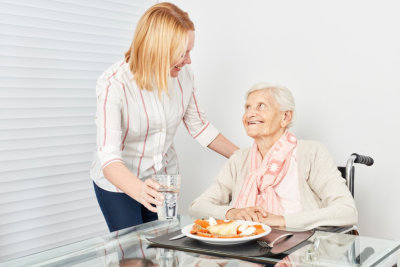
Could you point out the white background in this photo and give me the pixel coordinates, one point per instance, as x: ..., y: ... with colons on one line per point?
x: 341, y: 59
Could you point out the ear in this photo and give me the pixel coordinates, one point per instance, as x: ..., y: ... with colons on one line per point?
x: 286, y: 118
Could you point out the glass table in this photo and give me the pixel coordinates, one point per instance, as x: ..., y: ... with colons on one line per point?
x: 130, y: 247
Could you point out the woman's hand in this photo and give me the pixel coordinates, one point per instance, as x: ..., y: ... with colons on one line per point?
x: 148, y: 194
x: 254, y: 214
x: 273, y: 220
x: 144, y: 192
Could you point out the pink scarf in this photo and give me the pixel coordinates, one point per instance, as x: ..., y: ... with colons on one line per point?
x: 265, y: 174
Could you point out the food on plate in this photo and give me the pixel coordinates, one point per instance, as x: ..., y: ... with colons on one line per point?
x: 225, y: 229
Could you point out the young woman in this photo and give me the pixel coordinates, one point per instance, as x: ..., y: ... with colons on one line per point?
x: 141, y: 101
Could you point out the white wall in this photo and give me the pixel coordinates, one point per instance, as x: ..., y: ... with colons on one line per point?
x: 341, y: 59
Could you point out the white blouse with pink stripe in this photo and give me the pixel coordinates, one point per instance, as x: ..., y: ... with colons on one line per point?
x: 137, y: 127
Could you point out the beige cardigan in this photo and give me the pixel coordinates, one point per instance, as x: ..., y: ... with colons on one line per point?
x: 325, y: 197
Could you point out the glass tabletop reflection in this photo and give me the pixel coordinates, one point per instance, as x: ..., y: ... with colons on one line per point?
x: 130, y: 247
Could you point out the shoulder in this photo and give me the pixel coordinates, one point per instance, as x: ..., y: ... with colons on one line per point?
x: 310, y: 146
x: 234, y: 166
x: 115, y: 71
x: 312, y: 153
x: 114, y: 78
x: 240, y: 153
x: 240, y: 156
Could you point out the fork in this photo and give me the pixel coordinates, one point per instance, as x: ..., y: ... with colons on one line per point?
x: 271, y: 244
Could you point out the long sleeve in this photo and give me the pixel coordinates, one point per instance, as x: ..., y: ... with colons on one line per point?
x: 194, y: 119
x: 108, y: 121
x: 336, y: 206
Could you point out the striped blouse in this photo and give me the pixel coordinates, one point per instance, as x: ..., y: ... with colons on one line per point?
x: 137, y: 127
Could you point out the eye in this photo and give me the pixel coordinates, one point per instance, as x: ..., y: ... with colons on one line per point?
x: 261, y: 106
x: 185, y: 54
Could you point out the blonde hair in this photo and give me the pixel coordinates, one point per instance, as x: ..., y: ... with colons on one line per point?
x: 160, y: 40
x: 282, y: 95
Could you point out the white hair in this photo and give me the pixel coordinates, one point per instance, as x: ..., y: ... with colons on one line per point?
x: 282, y: 95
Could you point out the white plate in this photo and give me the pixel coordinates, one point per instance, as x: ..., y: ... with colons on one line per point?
x: 227, y: 241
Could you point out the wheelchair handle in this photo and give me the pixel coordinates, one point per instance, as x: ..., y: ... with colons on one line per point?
x: 363, y: 159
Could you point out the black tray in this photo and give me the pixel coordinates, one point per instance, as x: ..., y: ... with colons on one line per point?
x: 246, y: 251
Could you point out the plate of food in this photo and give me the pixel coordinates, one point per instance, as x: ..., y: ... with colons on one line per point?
x: 225, y: 232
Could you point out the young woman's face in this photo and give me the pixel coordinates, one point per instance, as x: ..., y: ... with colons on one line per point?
x: 185, y: 59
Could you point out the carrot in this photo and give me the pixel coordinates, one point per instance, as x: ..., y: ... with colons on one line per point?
x: 202, y: 223
x: 257, y: 226
x: 258, y: 231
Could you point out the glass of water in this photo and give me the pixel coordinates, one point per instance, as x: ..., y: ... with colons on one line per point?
x: 169, y: 187
x: 167, y: 257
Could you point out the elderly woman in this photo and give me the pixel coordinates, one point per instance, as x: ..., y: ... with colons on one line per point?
x: 279, y: 181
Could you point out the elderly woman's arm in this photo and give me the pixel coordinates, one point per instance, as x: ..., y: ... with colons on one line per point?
x: 325, y: 182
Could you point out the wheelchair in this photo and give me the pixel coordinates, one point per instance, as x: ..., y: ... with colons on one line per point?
x: 348, y: 171
x: 348, y: 174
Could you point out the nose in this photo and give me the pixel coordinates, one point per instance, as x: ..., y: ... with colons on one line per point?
x: 187, y: 60
x: 251, y: 113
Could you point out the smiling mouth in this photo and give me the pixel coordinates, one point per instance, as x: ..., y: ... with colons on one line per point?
x: 254, y: 122
x: 178, y: 68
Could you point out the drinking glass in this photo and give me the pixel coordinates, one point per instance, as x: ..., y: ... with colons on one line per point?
x: 169, y: 187
x: 167, y: 257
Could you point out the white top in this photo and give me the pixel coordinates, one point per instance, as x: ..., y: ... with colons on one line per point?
x: 137, y: 127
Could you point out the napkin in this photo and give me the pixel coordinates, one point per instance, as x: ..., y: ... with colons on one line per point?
x: 289, y: 244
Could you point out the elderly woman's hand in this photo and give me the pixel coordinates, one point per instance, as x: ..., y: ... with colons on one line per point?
x: 255, y: 214
x: 273, y: 220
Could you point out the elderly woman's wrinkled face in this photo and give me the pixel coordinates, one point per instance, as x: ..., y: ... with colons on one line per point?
x: 262, y: 117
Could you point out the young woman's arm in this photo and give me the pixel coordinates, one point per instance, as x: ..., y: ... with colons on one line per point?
x: 144, y: 192
x: 223, y: 146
